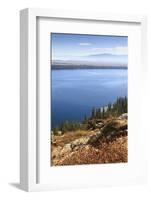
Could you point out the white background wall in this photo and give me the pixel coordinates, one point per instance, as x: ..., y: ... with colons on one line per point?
x: 9, y: 97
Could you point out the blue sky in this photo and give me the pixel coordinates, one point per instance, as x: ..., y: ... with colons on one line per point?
x: 80, y: 46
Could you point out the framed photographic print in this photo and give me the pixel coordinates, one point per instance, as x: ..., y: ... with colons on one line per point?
x: 82, y: 82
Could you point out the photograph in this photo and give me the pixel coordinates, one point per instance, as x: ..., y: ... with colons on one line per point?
x: 88, y: 98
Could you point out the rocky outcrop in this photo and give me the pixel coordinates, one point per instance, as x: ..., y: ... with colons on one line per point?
x: 124, y: 116
x: 113, y: 152
x: 78, y: 143
x: 109, y: 131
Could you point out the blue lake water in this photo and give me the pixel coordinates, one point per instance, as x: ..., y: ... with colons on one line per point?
x: 76, y: 92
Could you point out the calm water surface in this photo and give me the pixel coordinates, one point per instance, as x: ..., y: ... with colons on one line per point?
x: 76, y: 92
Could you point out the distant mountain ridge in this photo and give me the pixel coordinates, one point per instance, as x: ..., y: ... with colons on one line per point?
x: 106, y: 54
x: 93, y: 60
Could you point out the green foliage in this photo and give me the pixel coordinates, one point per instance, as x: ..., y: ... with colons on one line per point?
x: 93, y: 115
x: 115, y: 109
x: 55, y: 131
x: 68, y: 126
x: 109, y: 128
x: 120, y: 106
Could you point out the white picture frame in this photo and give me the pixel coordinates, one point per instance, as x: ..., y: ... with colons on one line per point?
x: 29, y: 148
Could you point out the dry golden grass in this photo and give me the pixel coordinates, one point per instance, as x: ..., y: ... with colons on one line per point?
x: 108, y: 152
x: 107, y: 145
x: 71, y: 136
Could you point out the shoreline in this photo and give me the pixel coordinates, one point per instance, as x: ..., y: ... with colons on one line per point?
x: 58, y: 67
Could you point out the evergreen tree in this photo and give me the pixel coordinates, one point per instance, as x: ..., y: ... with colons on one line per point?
x: 116, y: 109
x: 103, y: 112
x: 93, y: 115
x: 100, y: 113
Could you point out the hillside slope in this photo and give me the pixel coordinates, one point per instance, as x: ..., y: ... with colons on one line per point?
x: 105, y: 144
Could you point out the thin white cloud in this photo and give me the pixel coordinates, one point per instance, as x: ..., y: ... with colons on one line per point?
x: 85, y: 44
x: 116, y: 50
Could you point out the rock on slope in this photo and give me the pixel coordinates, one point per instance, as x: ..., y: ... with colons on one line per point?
x: 105, y: 145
